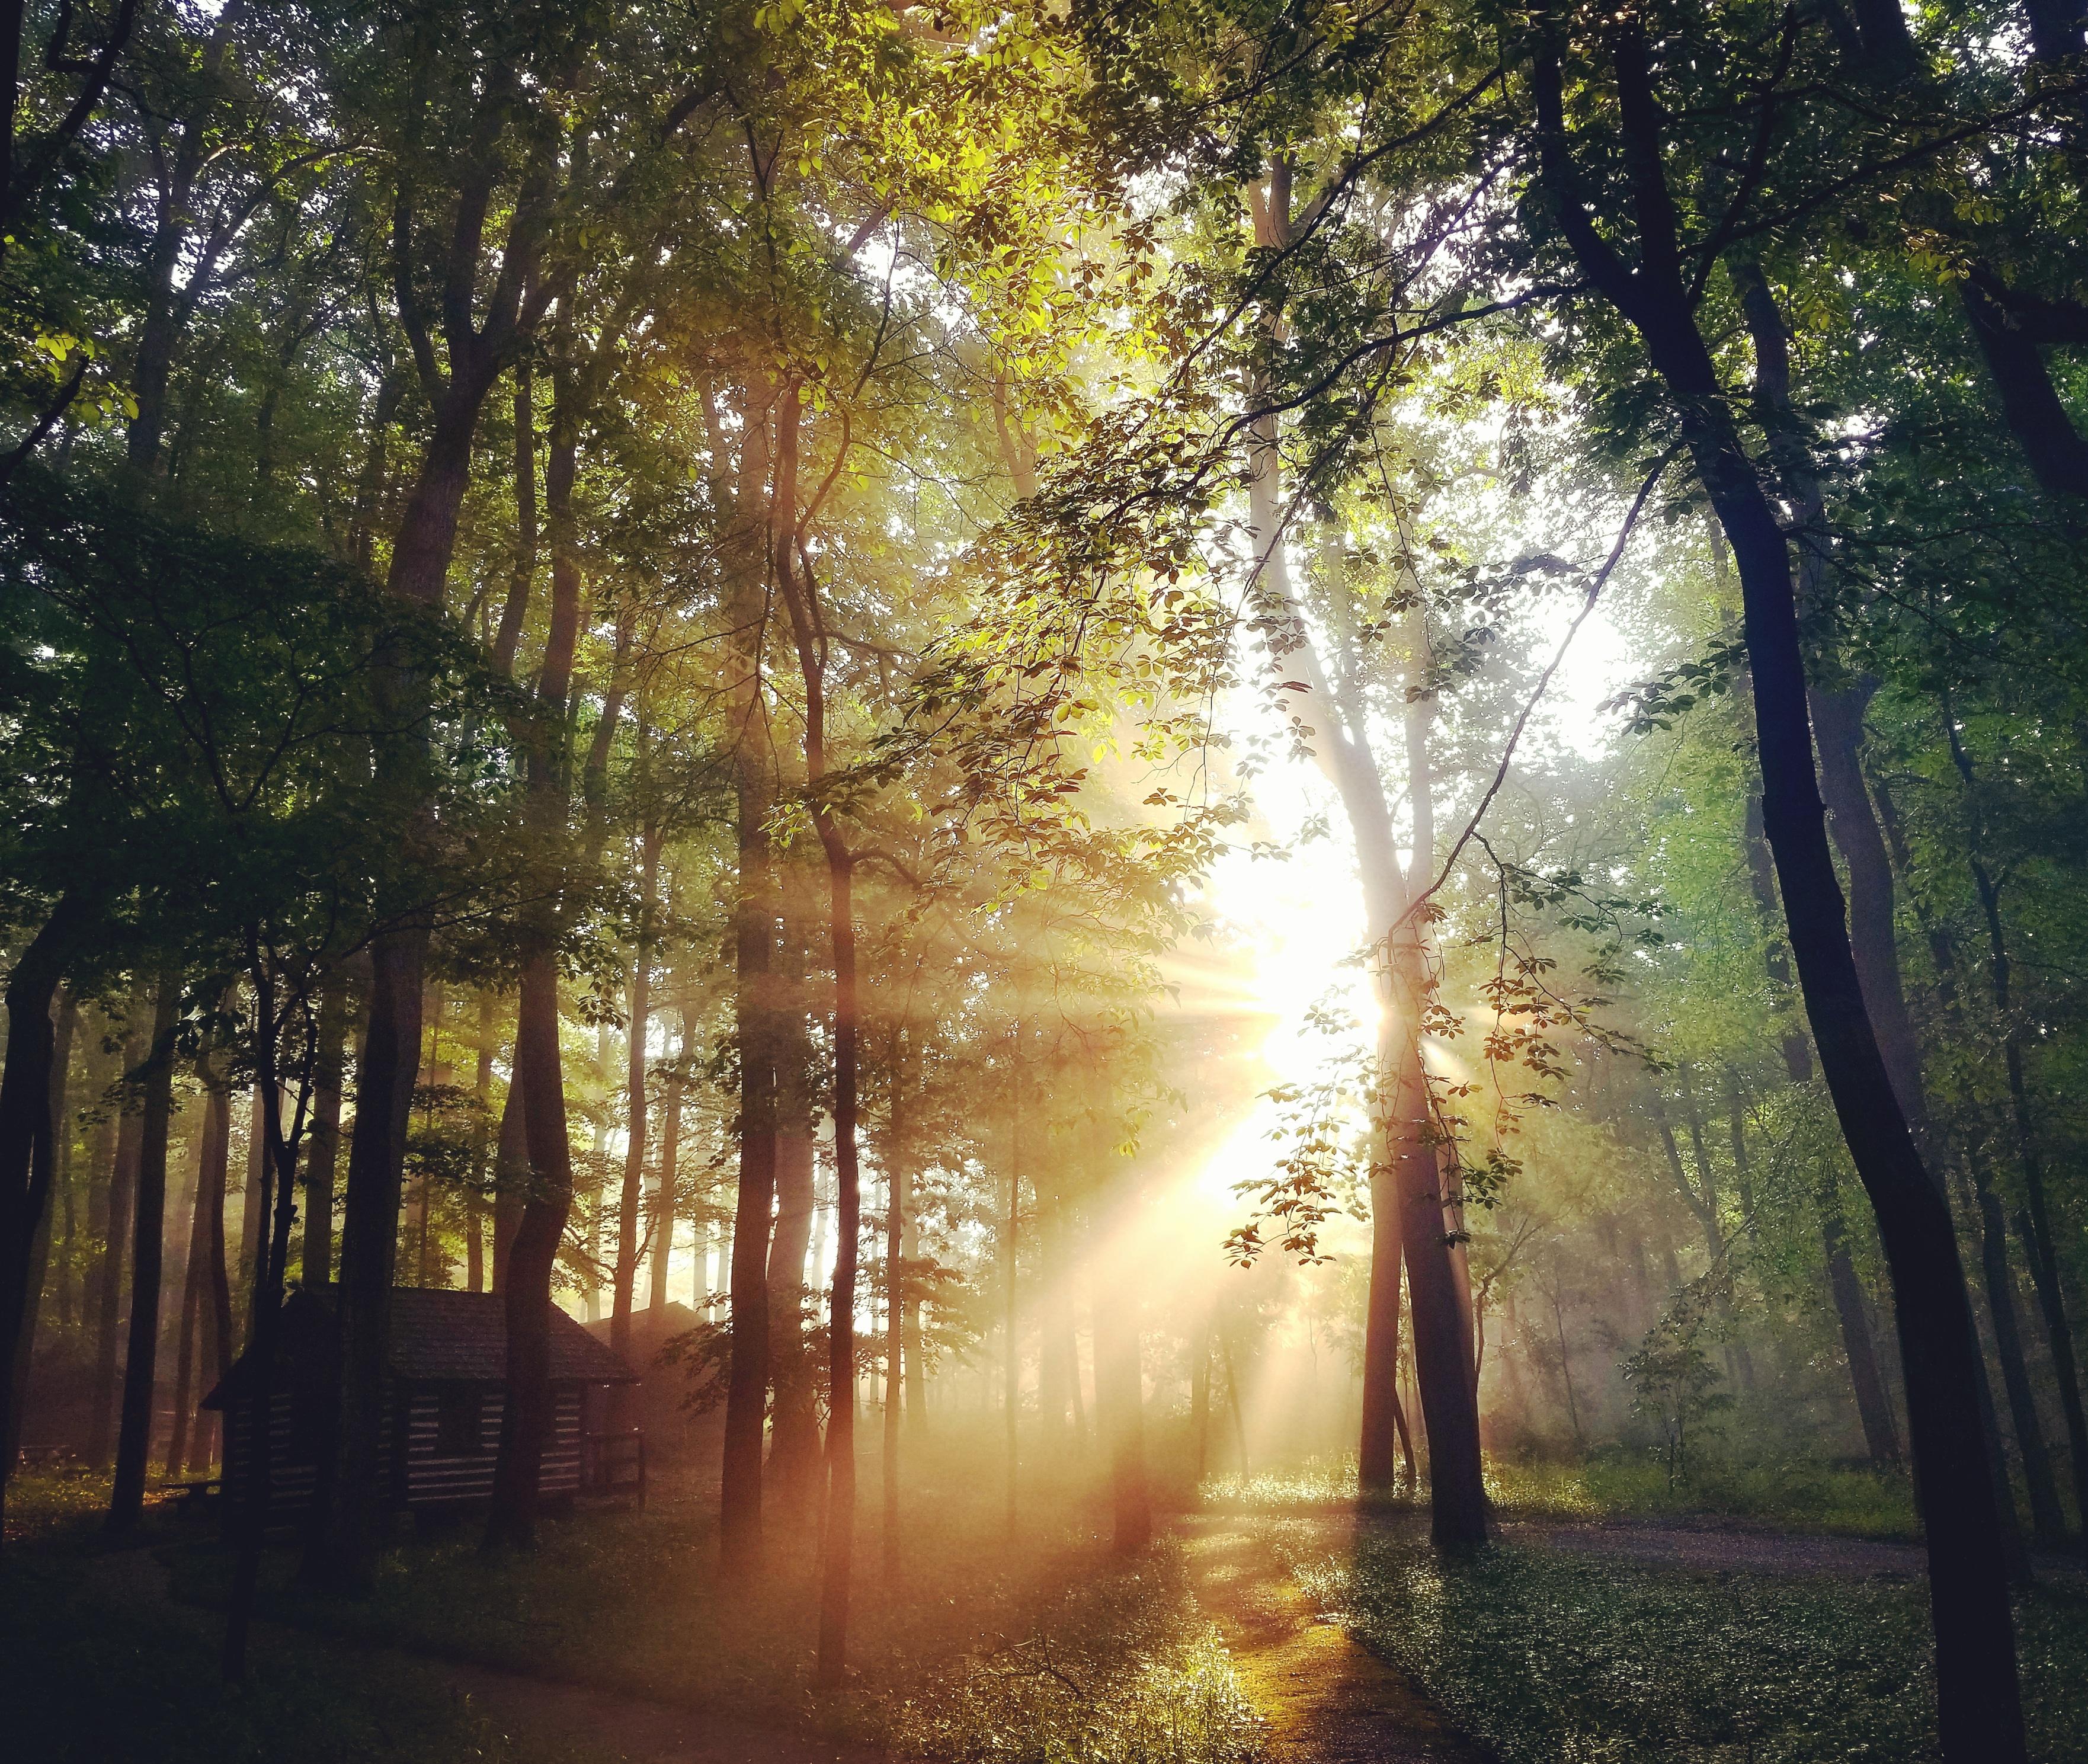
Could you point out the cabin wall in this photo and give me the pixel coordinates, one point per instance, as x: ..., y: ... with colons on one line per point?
x: 431, y: 1478
x: 415, y: 1474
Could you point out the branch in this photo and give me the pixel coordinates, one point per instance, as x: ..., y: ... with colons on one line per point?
x: 1544, y: 680
x: 46, y: 422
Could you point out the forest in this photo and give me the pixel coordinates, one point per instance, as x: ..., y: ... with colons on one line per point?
x: 1044, y: 881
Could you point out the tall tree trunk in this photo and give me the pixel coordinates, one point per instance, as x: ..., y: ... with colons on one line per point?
x: 133, y: 1439
x: 481, y: 1151
x: 1873, y: 1407
x: 214, y: 1303
x: 1334, y: 707
x: 632, y: 1200
x: 526, y: 1422
x: 808, y: 627
x: 746, y: 1384
x: 794, y: 1442
x: 252, y: 1206
x: 667, y: 1207
x: 322, y: 1141
x: 195, y: 1282
x: 511, y: 1172
x: 1979, y: 1701
x: 1859, y: 1347
x: 46, y: 1160
x: 897, y: 1162
x: 2048, y: 1521
x: 1010, y: 1264
x: 342, y: 1550
x: 279, y: 1145
x: 108, y: 1296
x: 1120, y: 1411
x: 1378, y: 1467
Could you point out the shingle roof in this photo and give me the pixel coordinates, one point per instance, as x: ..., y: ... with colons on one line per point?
x: 437, y: 1338
x: 448, y: 1337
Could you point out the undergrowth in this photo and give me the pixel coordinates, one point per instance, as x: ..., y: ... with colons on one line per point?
x: 1042, y: 1650
x: 1793, y: 1494
x: 94, y: 1666
x: 1121, y: 1671
x: 1551, y: 1657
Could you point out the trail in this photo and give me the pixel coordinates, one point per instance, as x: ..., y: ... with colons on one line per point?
x: 1327, y: 1699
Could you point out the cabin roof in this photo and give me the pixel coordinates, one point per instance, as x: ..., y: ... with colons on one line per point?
x: 441, y: 1337
x: 437, y: 1337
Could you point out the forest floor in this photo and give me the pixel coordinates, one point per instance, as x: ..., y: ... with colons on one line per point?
x: 1323, y: 1698
x: 1272, y: 1630
x: 1671, y: 1641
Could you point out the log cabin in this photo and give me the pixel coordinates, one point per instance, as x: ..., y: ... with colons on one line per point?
x: 446, y: 1390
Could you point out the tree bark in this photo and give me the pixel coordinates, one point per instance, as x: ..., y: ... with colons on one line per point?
x: 195, y: 1283
x: 109, y: 1295
x: 898, y: 1152
x: 45, y: 1160
x: 134, y: 1440
x: 632, y: 1200
x: 2048, y: 1521
x: 1120, y: 1407
x: 27, y: 1132
x: 1873, y: 1408
x: 749, y: 562
x: 322, y: 1141
x: 526, y: 1422
x: 794, y: 1442
x: 1979, y: 1702
x: 668, y: 1204
x: 481, y: 1151
x: 747, y: 1390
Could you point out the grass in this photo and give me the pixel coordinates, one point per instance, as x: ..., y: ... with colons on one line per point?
x: 1791, y: 1495
x: 96, y: 1666
x: 1033, y: 1652
x: 1548, y: 1656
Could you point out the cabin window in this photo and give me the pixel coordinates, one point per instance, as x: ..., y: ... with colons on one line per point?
x: 459, y: 1422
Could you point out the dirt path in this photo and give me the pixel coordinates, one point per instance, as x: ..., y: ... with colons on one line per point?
x: 1326, y: 1699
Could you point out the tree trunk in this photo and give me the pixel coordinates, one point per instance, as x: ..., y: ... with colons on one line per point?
x: 134, y: 1440
x: 2047, y: 1521
x: 897, y: 1157
x: 1873, y: 1409
x: 1979, y: 1702
x: 667, y: 1204
x: 481, y: 1152
x: 108, y: 1296
x: 322, y: 1139
x: 1120, y: 1408
x: 837, y: 1580
x: 196, y: 1279
x: 746, y: 1386
x: 631, y: 1202
x: 1378, y: 1467
x: 511, y: 1173
x: 794, y: 1445
x: 526, y: 1421
x: 1011, y: 1268
x: 278, y: 1187
x: 45, y: 1162
x: 342, y: 1551
x: 1442, y: 1337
